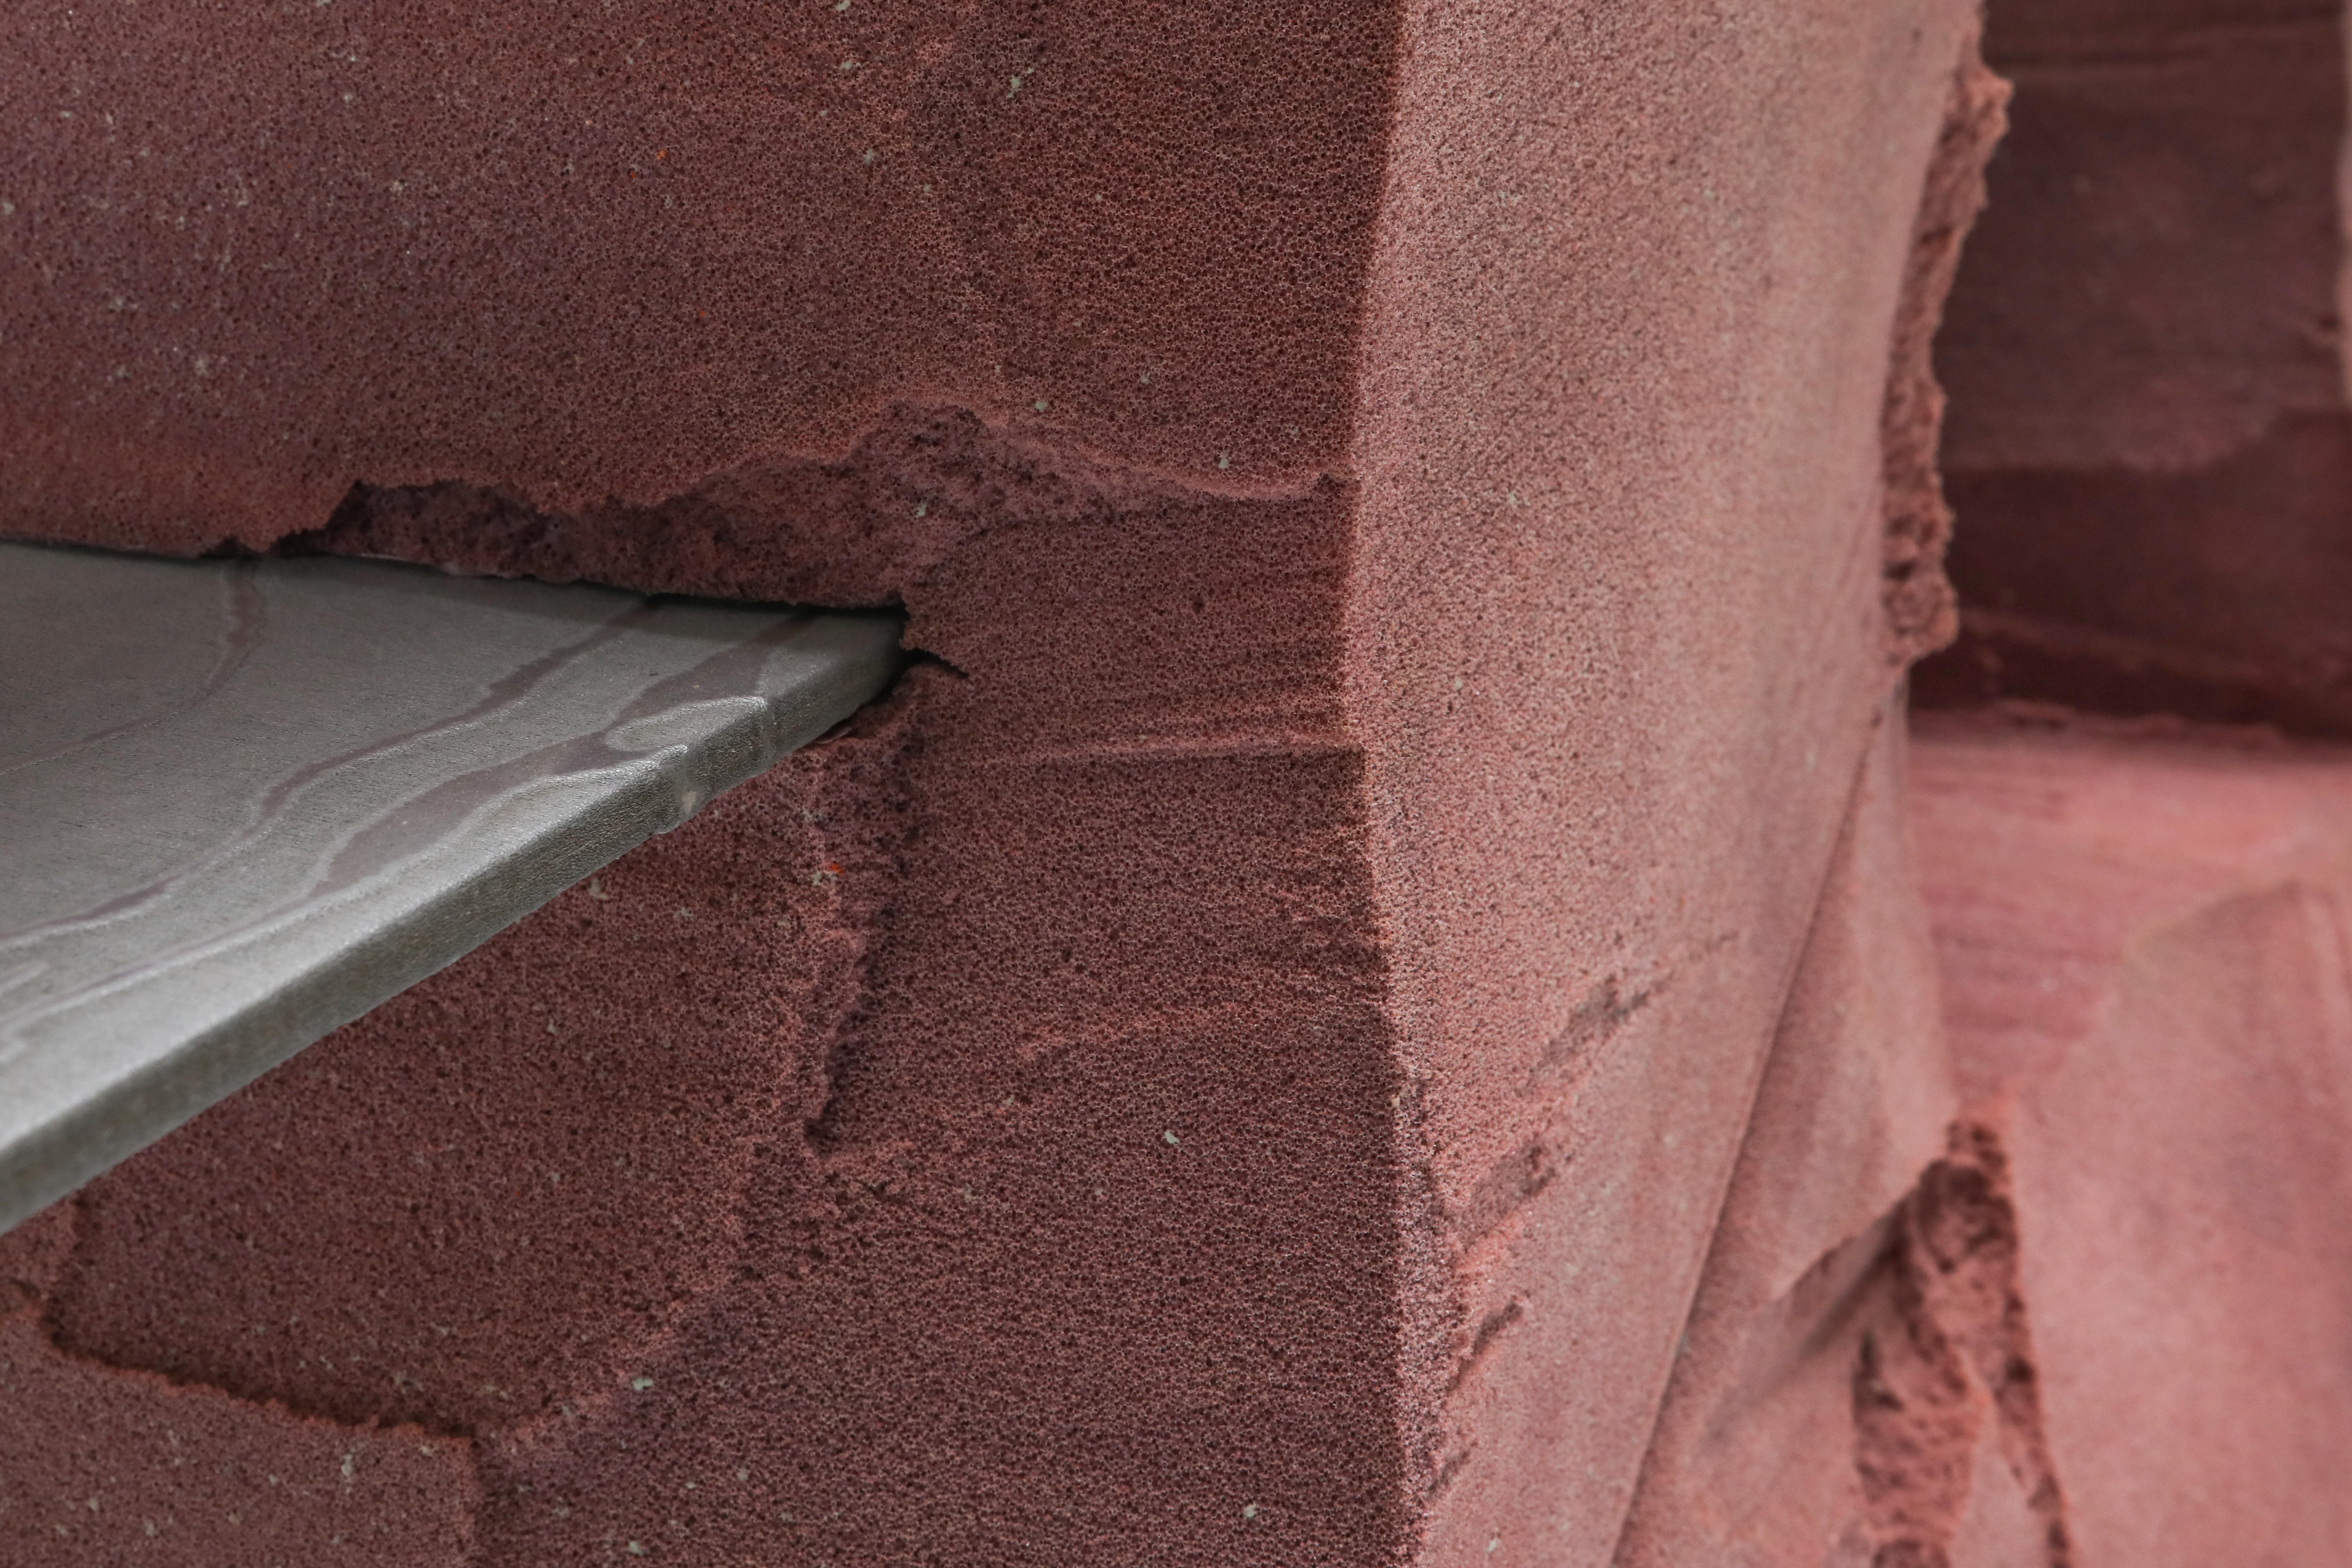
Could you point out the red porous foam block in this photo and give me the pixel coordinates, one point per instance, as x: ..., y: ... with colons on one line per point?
x: 1854, y: 1384
x: 1755, y: 1460
x: 101, y: 1465
x: 2148, y: 445
x: 251, y: 259
x: 97, y: 1465
x: 494, y: 1196
x: 2143, y: 943
x: 1241, y: 1061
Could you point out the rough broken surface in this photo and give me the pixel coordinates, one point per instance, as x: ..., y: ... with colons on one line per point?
x: 97, y: 1465
x: 2143, y: 944
x: 1637, y: 710
x: 441, y: 1214
x: 1400, y: 500
x: 2149, y: 447
x: 2140, y: 922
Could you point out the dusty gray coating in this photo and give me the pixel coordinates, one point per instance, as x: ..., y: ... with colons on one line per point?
x: 241, y: 802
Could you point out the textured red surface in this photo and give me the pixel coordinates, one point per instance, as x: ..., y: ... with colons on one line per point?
x: 2144, y: 947
x: 498, y: 1194
x: 1401, y: 501
x: 1856, y: 1384
x: 253, y: 258
x: 2150, y: 446
x: 2103, y: 1320
x: 101, y: 1465
x: 1755, y: 1460
x: 1607, y: 759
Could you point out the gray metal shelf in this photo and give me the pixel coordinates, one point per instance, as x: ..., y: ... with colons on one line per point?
x: 241, y: 802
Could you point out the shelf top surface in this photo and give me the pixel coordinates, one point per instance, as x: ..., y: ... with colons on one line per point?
x: 243, y: 802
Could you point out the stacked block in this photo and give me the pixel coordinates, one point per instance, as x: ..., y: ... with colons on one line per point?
x: 1394, y: 496
x: 1392, y: 989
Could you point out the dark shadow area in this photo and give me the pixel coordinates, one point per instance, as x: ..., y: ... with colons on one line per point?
x: 2149, y: 447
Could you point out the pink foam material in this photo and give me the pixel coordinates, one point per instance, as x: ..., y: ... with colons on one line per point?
x: 1755, y: 1460
x: 1855, y: 1383
x: 2150, y: 446
x: 1239, y: 1062
x: 1672, y: 733
x: 2143, y: 944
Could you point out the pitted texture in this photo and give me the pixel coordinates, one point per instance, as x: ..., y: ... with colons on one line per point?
x: 99, y: 1464
x: 1754, y: 1460
x: 498, y: 1191
x: 1072, y: 1042
x: 1633, y: 323
x: 1921, y: 611
x: 1396, y: 498
x: 252, y: 258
